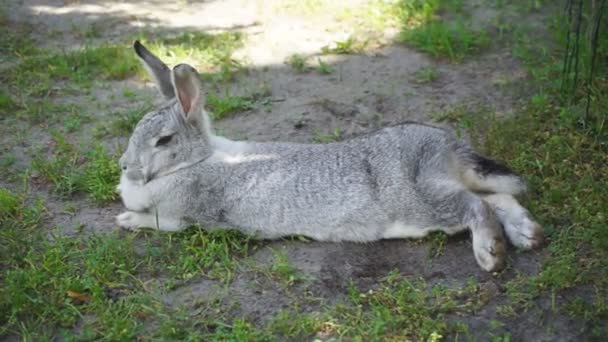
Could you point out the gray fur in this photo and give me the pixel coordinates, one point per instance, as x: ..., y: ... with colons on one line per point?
x: 400, y: 181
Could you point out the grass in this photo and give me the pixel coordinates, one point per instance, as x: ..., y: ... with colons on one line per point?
x: 324, y: 68
x: 445, y: 40
x: 50, y: 285
x: 326, y: 138
x: 426, y: 75
x: 345, y: 47
x: 208, y: 53
x: 281, y: 270
x: 297, y: 63
x: 6, y: 102
x: 398, y: 308
x: 122, y: 122
x: 223, y: 106
x: 114, y: 286
x: 37, y: 75
x: 69, y: 171
x: 14, y: 40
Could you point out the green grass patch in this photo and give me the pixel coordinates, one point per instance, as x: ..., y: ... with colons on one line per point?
x: 398, y: 308
x: 38, y: 75
x: 196, y: 252
x: 326, y: 138
x: 349, y: 46
x: 69, y: 170
x: 223, y: 106
x: 6, y: 102
x: 208, y: 53
x: 14, y: 39
x: 564, y: 158
x: 51, y: 284
x: 426, y: 75
x: 440, y: 39
x: 122, y: 123
x: 297, y: 63
x: 324, y: 68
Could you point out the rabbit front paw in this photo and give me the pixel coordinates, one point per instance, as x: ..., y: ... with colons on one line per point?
x: 133, y: 220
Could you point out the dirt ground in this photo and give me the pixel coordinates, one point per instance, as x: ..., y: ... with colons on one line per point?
x: 366, y: 91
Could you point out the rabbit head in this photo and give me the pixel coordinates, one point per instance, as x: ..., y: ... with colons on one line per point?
x: 173, y: 136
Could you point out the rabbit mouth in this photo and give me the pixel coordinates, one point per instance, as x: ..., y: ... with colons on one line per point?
x: 137, y: 176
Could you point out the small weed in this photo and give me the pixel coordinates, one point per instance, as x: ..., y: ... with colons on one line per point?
x: 73, y: 120
x: 129, y: 94
x: 323, y: 138
x: 427, y: 75
x: 222, y: 107
x: 282, y: 269
x: 436, y: 242
x: 297, y: 63
x: 6, y: 102
x: 126, y: 121
x: 345, y: 47
x: 9, y: 204
x: 92, y: 31
x: 324, y: 68
x: 306, y: 7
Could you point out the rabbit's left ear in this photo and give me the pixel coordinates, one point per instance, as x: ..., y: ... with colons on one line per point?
x: 187, y: 87
x: 157, y: 69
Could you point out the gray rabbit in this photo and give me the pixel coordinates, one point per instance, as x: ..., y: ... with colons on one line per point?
x: 402, y: 181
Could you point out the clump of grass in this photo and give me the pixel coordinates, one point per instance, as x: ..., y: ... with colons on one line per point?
x: 440, y: 39
x: 297, y: 62
x: 345, y: 47
x: 8, y: 204
x: 206, y: 52
x: 436, y: 242
x: 426, y: 75
x: 61, y: 169
x: 69, y: 171
x: 101, y: 175
x: 125, y: 121
x: 36, y: 75
x: 281, y: 270
x: 6, y: 102
x: 324, y: 138
x: 223, y: 106
x: 324, y: 68
x: 197, y: 252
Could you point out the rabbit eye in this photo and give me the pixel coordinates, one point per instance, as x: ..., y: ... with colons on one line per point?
x: 164, y: 140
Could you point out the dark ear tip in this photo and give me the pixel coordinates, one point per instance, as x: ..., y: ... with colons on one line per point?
x: 138, y: 47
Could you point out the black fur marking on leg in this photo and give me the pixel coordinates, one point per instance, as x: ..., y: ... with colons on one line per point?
x: 485, y: 166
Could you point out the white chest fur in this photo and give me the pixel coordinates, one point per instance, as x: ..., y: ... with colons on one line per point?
x: 135, y: 196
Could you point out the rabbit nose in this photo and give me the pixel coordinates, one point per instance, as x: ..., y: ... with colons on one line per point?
x: 123, y: 164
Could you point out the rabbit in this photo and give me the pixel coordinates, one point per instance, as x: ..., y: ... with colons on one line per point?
x: 402, y: 181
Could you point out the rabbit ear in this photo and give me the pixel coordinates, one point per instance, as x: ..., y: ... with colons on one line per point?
x: 157, y: 69
x: 187, y: 87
